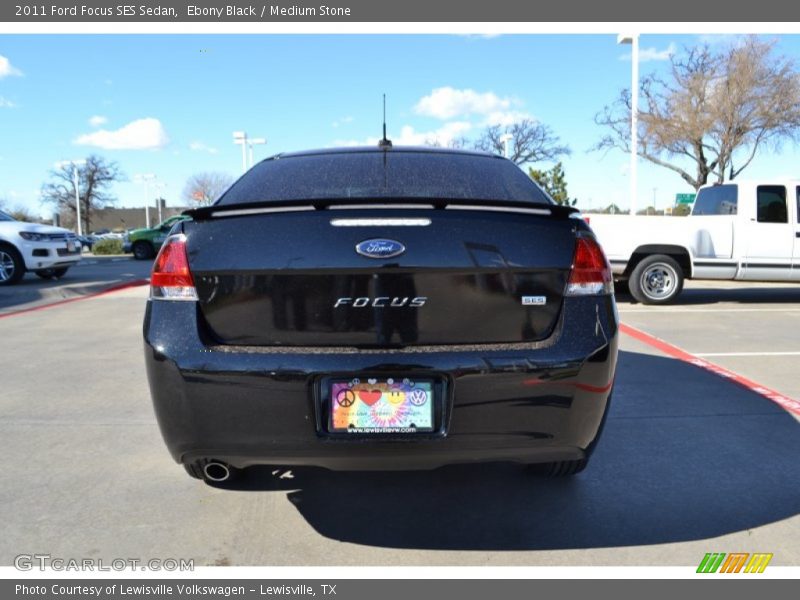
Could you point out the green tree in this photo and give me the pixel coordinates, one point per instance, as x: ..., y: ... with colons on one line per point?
x: 554, y: 182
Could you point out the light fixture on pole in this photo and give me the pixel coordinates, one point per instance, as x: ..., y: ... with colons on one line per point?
x: 75, y: 164
x: 255, y: 142
x: 633, y: 40
x: 504, y: 139
x: 159, y: 186
x: 240, y: 137
x: 145, y: 178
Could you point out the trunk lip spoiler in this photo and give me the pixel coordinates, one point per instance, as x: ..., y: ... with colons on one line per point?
x: 250, y: 208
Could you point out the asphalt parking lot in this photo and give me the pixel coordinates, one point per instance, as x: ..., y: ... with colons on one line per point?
x: 690, y: 462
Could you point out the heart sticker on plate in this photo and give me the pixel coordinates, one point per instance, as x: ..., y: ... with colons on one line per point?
x: 369, y: 397
x: 372, y: 381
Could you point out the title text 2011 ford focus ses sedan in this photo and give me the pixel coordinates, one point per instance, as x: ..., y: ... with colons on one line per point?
x: 381, y: 308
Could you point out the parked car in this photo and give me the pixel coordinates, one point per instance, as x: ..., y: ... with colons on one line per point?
x: 381, y: 308
x: 88, y: 241
x: 47, y: 251
x: 744, y: 230
x: 145, y: 242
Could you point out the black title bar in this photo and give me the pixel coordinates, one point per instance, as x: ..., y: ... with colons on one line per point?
x: 463, y: 11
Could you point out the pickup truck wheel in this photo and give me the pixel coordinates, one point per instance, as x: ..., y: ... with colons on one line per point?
x: 657, y: 279
x: 11, y: 266
x: 52, y: 273
x: 143, y: 250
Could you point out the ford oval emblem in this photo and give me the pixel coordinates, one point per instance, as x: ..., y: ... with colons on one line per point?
x: 380, y: 248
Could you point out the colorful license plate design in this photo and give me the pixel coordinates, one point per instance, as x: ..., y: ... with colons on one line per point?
x: 384, y: 405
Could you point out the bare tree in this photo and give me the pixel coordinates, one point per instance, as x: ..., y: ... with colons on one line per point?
x: 713, y: 113
x: 18, y: 212
x: 457, y: 143
x: 95, y: 178
x: 531, y: 142
x: 204, y: 188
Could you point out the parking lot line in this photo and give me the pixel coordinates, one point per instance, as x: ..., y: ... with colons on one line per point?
x: 114, y: 288
x: 681, y: 309
x: 789, y: 404
x: 706, y: 354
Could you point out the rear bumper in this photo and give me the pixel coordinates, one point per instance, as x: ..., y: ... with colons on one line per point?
x: 244, y: 405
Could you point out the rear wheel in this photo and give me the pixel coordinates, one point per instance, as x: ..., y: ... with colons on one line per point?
x: 657, y: 279
x: 143, y: 250
x: 561, y: 468
x: 52, y: 273
x: 12, y: 268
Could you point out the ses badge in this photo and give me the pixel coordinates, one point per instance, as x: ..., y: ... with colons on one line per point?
x: 534, y: 300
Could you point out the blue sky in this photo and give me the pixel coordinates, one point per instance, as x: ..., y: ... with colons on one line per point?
x: 168, y: 104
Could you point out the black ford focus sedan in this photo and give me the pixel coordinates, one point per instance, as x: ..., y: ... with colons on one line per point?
x: 381, y: 308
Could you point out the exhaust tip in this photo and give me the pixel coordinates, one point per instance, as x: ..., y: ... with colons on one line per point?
x: 216, y: 471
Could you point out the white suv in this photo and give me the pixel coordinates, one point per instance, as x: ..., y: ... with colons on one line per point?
x: 47, y: 251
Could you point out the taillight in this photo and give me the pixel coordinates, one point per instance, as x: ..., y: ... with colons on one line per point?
x: 591, y: 273
x: 171, y: 278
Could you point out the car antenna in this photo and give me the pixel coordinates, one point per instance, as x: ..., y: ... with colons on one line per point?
x: 384, y: 143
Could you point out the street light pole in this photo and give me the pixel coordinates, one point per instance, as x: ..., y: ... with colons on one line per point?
x: 75, y: 164
x: 255, y: 142
x: 633, y: 40
x: 146, y: 178
x: 159, y: 186
x: 505, y: 138
x: 240, y: 137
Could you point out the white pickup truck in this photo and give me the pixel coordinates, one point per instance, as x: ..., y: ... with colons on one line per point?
x: 744, y: 230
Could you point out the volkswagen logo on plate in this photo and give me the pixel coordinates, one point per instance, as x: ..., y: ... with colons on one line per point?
x: 380, y: 248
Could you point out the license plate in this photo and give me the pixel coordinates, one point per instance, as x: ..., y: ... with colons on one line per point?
x: 383, y: 405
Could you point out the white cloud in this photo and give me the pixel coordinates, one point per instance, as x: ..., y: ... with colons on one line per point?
x: 411, y: 137
x: 6, y: 103
x: 447, y: 103
x: 201, y: 147
x: 142, y: 134
x: 7, y: 69
x: 480, y: 36
x: 722, y: 39
x: 653, y: 54
x: 342, y: 121
x: 504, y: 118
x: 97, y: 120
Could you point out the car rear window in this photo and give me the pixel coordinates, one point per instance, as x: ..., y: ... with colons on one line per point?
x: 717, y: 200
x: 389, y: 174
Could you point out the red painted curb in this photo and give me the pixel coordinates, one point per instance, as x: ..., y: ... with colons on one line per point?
x: 114, y: 288
x: 789, y: 404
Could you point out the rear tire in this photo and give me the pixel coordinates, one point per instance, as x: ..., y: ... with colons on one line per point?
x: 12, y: 267
x: 52, y: 273
x: 194, y: 470
x: 143, y: 250
x: 657, y: 279
x: 561, y: 468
